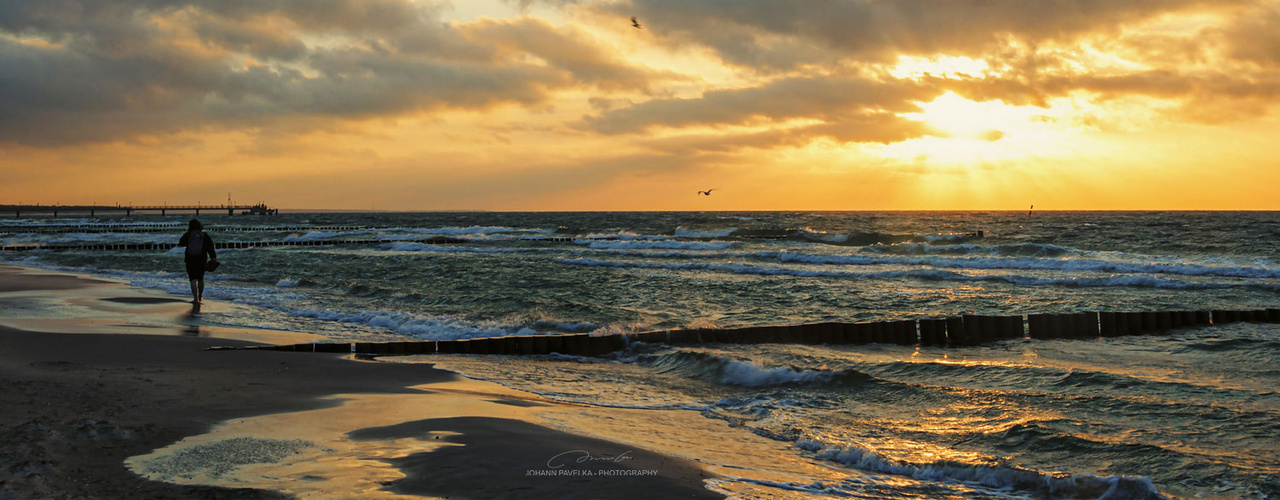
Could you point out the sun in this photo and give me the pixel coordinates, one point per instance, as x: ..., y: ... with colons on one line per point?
x: 961, y: 130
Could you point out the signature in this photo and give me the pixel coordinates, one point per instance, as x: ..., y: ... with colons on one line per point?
x: 583, y: 456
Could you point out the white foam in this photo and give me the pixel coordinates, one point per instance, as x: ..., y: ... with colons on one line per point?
x: 1113, y: 487
x: 926, y: 274
x: 713, y: 233
x: 662, y: 245
x: 824, y: 236
x: 755, y: 374
x: 425, y: 247
x: 1031, y: 263
x: 415, y: 325
x: 620, y: 236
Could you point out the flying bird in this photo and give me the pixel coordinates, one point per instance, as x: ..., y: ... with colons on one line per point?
x: 635, y: 23
x: 707, y: 192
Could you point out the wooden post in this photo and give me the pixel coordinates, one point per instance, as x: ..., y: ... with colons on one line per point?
x: 956, y: 335
x: 1164, y: 321
x: 933, y: 332
x: 1107, y: 324
x: 1090, y: 324
x: 555, y: 343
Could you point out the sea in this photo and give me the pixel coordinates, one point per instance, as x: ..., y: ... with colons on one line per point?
x: 1191, y: 414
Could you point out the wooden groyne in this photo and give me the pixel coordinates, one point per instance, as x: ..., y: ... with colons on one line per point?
x: 434, y: 240
x: 178, y: 228
x: 955, y: 331
x: 128, y: 210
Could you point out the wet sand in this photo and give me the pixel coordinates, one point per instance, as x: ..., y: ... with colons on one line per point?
x: 77, y: 405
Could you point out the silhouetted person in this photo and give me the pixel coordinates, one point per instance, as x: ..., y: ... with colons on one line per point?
x: 198, y: 244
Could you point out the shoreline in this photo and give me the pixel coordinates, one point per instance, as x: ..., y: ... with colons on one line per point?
x: 80, y: 404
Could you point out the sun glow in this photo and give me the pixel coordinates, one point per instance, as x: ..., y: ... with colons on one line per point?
x: 941, y: 66
x: 965, y: 131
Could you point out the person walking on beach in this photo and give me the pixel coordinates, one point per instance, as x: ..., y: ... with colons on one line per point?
x: 198, y: 245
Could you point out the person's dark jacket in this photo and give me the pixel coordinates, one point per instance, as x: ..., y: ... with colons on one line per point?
x: 206, y: 247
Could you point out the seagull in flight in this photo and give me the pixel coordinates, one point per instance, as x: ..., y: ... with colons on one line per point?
x: 635, y: 23
x: 707, y: 192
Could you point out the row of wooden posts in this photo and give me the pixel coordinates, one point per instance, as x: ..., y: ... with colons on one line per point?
x: 434, y: 240
x: 149, y: 228
x: 957, y: 331
x: 223, y: 244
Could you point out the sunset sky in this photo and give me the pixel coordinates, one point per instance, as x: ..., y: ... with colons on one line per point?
x: 563, y: 105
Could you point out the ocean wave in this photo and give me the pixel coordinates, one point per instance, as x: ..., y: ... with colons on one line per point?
x: 922, y: 274
x: 1023, y: 263
x: 659, y: 245
x: 822, y: 236
x: 737, y: 372
x: 87, y: 238
x: 425, y: 247
x: 714, y: 233
x: 866, y: 239
x: 620, y: 236
x: 1019, y: 250
x: 322, y: 235
x: 1010, y: 477
x: 471, y: 230
x: 415, y: 325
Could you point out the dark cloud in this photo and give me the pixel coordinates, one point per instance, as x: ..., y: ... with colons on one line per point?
x: 883, y: 128
x: 823, y: 98
x: 569, y: 50
x: 1255, y: 36
x: 84, y: 70
x: 769, y: 33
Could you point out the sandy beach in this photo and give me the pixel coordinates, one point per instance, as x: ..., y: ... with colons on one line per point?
x: 78, y: 405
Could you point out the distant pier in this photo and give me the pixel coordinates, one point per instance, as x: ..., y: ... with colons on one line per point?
x: 128, y: 210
